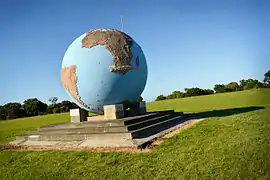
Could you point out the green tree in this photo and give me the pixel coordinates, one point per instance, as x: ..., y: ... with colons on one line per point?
x: 160, y: 98
x: 251, y: 83
x: 233, y: 86
x: 34, y: 107
x: 170, y: 96
x: 196, y: 92
x: 221, y: 88
x: 259, y: 85
x: 178, y: 94
x: 209, y: 91
x: 65, y: 106
x: 56, y: 110
x: 266, y: 79
x: 12, y: 111
x: 2, y: 113
x: 243, y: 83
x: 51, y: 107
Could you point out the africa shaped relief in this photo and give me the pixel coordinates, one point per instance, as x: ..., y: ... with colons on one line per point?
x: 118, y: 43
x: 69, y: 81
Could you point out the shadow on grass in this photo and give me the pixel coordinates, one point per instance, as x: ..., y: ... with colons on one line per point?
x: 225, y: 112
x: 192, y: 116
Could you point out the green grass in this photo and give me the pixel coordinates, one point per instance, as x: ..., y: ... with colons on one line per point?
x: 228, y: 144
x: 11, y: 128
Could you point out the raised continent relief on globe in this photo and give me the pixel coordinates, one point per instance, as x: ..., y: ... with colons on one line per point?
x: 69, y: 81
x: 118, y: 43
x: 103, y: 67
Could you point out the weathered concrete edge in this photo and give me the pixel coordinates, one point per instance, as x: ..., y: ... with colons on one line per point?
x: 138, y: 145
x: 142, y: 142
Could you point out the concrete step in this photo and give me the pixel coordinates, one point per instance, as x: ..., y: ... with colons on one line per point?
x: 149, y: 122
x: 102, y: 129
x: 83, y: 130
x: 131, y: 135
x: 76, y: 137
x: 147, y: 125
x: 158, y: 127
x: 111, y: 123
x: 128, y: 120
x: 153, y: 115
x: 101, y: 123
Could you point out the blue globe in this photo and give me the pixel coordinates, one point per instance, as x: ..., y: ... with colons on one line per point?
x: 103, y: 67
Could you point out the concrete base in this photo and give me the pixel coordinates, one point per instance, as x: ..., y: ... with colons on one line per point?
x: 78, y: 115
x: 131, y: 132
x: 118, y: 128
x: 142, y: 107
x: 115, y: 111
x: 96, y: 118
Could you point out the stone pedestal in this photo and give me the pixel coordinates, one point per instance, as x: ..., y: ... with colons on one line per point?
x: 114, y: 111
x: 78, y: 115
x: 142, y: 107
x: 138, y: 109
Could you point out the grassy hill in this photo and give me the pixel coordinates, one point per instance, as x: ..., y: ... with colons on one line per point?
x: 233, y: 142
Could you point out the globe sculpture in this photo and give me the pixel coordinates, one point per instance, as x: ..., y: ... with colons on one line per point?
x: 103, y: 67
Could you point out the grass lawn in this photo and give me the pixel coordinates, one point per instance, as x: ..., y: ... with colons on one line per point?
x: 233, y: 142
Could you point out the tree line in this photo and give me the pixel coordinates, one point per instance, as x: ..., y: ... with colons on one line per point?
x: 244, y: 84
x: 34, y: 107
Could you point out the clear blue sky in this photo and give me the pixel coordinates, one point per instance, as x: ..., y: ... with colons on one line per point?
x: 187, y: 43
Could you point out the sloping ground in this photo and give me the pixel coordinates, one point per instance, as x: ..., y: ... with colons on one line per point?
x: 255, y: 97
x: 233, y: 142
x: 12, y: 128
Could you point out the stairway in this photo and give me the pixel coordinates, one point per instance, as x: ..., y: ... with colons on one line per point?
x: 124, y: 132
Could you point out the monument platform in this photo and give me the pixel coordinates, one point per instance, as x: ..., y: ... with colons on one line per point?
x: 125, y: 132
